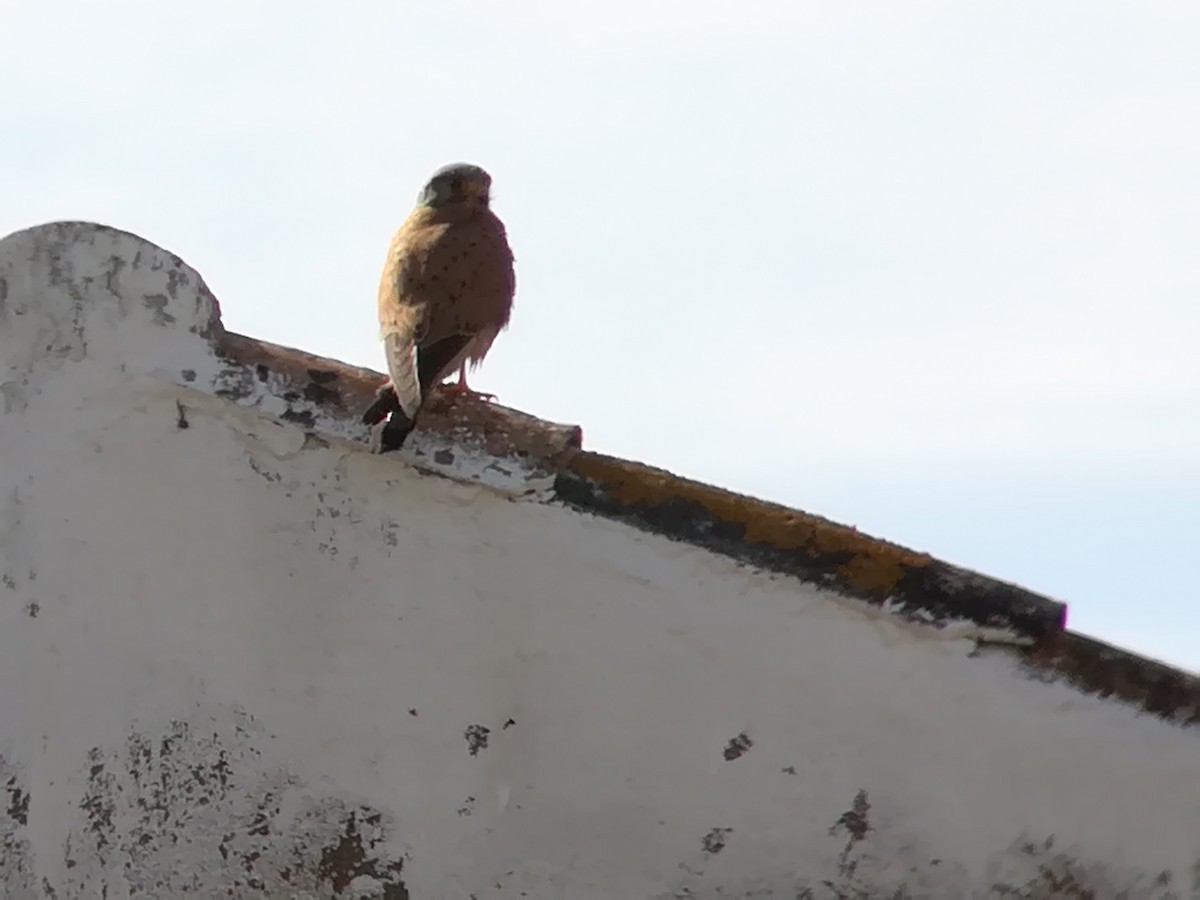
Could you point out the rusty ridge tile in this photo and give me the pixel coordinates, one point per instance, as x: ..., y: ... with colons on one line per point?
x: 500, y: 430
x: 1099, y: 668
x: 343, y: 391
x: 338, y: 388
x: 776, y: 538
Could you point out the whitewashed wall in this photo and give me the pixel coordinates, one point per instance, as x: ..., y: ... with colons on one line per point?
x: 236, y: 661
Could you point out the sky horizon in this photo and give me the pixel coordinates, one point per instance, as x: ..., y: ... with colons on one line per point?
x: 929, y: 270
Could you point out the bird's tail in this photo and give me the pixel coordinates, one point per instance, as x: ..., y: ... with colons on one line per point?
x: 399, y: 352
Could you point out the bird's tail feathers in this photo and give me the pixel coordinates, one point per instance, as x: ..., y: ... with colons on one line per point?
x: 399, y: 352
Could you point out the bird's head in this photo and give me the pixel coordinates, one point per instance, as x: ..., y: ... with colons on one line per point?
x: 457, y: 183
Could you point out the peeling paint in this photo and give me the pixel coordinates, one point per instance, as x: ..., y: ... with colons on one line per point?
x: 16, y: 862
x: 193, y: 810
x: 157, y: 303
x: 737, y: 747
x: 713, y: 841
x: 477, y: 738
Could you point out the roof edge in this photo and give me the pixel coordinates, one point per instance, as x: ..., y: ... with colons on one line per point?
x: 911, y: 585
x: 776, y: 538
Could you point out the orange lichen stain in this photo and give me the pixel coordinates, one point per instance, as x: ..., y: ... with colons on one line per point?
x: 871, y: 565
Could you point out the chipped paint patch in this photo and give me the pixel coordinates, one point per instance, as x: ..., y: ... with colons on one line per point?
x: 714, y: 839
x: 867, y: 862
x: 16, y: 861
x: 477, y: 738
x: 737, y: 747
x: 199, y: 808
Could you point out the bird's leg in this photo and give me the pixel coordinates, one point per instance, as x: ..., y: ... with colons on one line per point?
x: 460, y: 387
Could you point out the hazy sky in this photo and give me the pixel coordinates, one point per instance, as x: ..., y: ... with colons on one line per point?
x: 932, y: 268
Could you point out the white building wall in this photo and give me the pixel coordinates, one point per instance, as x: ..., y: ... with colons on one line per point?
x: 236, y: 660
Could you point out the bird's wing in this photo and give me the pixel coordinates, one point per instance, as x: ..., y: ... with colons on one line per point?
x: 404, y: 294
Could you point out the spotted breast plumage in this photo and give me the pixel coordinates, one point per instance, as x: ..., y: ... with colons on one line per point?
x: 445, y: 294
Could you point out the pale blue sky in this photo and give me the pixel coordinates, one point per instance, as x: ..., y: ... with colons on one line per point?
x: 930, y: 268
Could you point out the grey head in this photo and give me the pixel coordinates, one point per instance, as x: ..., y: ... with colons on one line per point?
x: 457, y: 183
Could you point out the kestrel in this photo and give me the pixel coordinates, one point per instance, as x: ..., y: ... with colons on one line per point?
x: 445, y: 294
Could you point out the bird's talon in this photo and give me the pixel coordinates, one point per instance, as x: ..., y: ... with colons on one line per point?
x: 458, y: 390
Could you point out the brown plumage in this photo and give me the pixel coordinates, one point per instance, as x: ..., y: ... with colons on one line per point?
x: 446, y: 291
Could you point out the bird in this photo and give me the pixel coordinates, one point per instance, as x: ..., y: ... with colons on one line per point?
x: 445, y: 294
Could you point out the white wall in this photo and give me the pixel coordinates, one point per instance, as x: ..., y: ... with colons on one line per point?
x: 236, y: 660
